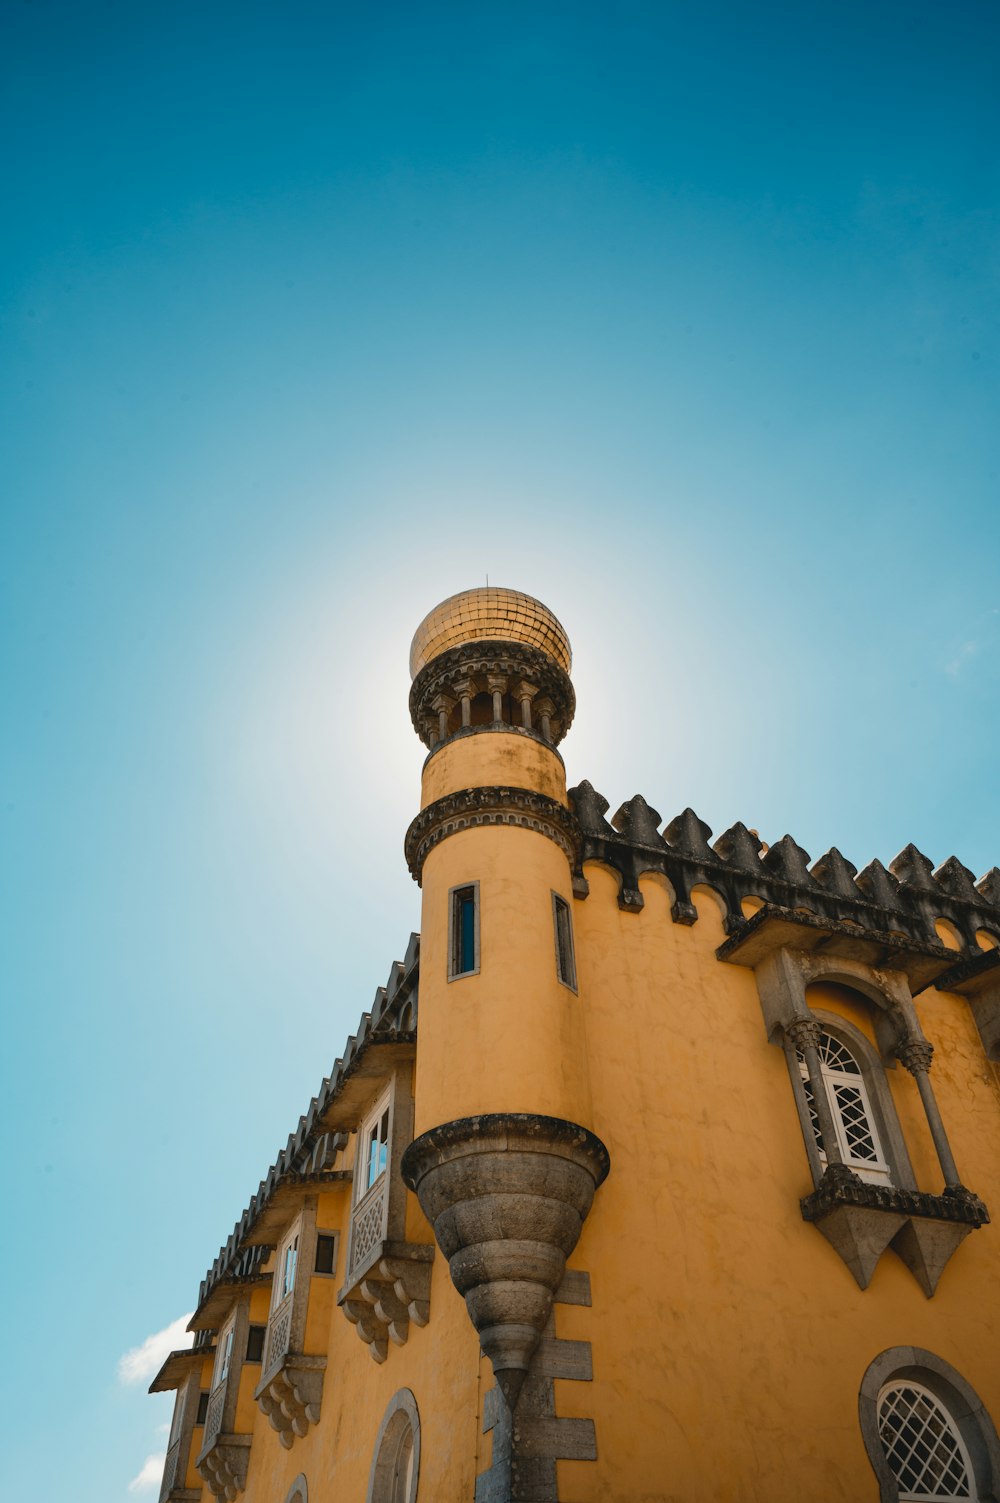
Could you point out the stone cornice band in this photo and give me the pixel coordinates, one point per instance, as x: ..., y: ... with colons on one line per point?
x: 474, y: 807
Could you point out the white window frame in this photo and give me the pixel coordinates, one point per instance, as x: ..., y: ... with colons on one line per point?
x: 937, y: 1404
x: 377, y: 1192
x: 291, y: 1241
x: 382, y: 1108
x: 877, y: 1172
x: 224, y: 1353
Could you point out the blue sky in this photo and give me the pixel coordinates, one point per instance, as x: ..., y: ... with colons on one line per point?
x: 683, y: 318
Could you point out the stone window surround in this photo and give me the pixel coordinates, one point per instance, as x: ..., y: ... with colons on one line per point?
x: 225, y: 1455
x: 401, y: 1411
x: 397, y: 1088
x: 453, y: 973
x: 299, y: 1491
x: 960, y: 1399
x: 782, y: 979
x: 886, y: 1120
x: 290, y: 1390
x: 305, y: 1228
x: 571, y: 982
x: 182, y: 1428
x: 388, y: 1286
x: 221, y: 1422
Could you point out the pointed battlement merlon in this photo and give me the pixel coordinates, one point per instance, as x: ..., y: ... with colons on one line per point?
x: 899, y: 905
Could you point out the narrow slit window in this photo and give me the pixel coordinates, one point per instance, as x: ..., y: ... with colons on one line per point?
x: 202, y: 1407
x: 255, y: 1343
x: 565, y: 959
x: 465, y: 930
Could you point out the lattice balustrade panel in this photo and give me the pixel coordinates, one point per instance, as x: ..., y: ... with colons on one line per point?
x: 279, y: 1334
x: 213, y: 1418
x: 921, y: 1446
x: 366, y: 1230
x: 170, y: 1467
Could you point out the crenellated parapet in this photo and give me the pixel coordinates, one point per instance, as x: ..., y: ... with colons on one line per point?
x: 894, y: 909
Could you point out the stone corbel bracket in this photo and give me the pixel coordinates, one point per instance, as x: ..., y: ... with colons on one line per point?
x: 292, y: 1396
x: 224, y: 1469
x: 860, y: 1221
x: 394, y: 1291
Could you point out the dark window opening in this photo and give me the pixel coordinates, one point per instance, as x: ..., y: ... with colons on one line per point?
x: 463, y: 931
x: 565, y: 961
x: 255, y: 1343
x: 325, y: 1250
x: 202, y: 1407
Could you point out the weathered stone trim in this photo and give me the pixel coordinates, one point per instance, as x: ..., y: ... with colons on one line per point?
x: 299, y: 1491
x: 860, y: 1220
x: 527, y: 1446
x: 292, y: 1395
x: 473, y: 807
x: 958, y: 1396
x: 957, y: 1205
x: 401, y: 1412
x: 476, y: 664
x: 507, y: 1194
x: 899, y: 903
x: 880, y: 1099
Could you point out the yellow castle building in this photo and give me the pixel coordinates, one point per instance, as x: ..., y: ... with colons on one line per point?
x: 659, y: 1169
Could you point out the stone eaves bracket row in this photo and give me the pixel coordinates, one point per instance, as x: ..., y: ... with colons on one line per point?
x: 308, y: 1156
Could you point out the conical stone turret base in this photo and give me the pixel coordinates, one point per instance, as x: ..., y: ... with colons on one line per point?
x: 507, y: 1195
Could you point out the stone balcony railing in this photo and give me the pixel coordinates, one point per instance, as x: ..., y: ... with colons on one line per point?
x: 290, y: 1392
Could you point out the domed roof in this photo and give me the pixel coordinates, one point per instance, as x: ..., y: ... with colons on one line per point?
x: 488, y: 614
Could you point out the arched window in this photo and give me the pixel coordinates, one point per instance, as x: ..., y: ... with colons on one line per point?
x: 922, y: 1444
x: 927, y: 1434
x: 396, y: 1464
x: 853, y: 1118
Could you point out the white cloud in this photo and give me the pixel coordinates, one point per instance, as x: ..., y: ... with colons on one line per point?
x: 145, y: 1360
x: 150, y: 1475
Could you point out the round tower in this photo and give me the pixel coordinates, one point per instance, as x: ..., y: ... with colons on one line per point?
x: 505, y: 1166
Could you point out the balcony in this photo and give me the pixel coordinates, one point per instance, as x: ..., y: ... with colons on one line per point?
x: 290, y: 1392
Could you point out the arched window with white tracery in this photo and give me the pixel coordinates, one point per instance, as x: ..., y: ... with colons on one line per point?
x: 850, y: 1107
x: 923, y: 1445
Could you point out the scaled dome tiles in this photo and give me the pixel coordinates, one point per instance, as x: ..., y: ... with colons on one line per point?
x: 489, y: 614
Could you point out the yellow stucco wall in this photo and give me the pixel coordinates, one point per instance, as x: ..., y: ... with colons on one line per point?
x: 729, y: 1340
x: 493, y: 758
